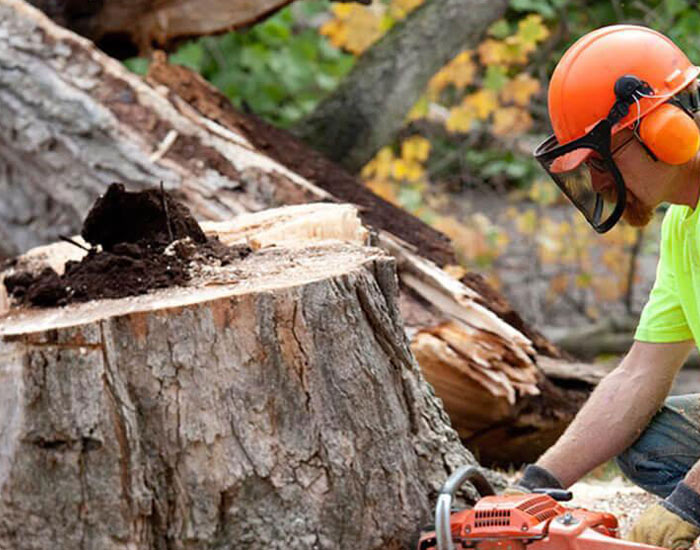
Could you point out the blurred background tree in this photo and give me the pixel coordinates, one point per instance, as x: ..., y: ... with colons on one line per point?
x: 461, y: 158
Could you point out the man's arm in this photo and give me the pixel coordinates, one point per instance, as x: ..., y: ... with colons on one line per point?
x: 617, y: 411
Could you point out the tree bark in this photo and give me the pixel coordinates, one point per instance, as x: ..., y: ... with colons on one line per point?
x: 370, y: 105
x: 75, y: 120
x: 271, y: 404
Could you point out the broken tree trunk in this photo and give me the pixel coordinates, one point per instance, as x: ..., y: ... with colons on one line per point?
x: 75, y: 120
x: 273, y: 403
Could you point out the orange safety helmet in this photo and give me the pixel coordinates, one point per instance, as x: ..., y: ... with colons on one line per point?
x: 582, y: 88
x: 613, y: 78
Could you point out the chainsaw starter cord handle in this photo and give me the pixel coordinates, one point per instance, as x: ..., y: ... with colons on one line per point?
x: 443, y: 509
x: 685, y: 503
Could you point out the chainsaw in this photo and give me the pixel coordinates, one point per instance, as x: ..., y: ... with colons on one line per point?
x: 537, y: 520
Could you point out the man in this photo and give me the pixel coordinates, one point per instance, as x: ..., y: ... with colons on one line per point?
x: 622, y: 102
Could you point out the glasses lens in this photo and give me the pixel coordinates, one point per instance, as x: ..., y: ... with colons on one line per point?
x: 589, y: 178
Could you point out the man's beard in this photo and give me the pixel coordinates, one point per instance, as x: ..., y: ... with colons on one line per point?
x: 636, y: 213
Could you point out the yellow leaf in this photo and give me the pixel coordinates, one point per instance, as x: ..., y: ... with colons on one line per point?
x: 460, y: 119
x: 484, y: 102
x: 342, y: 11
x: 336, y: 31
x: 413, y: 171
x: 463, y: 69
x: 515, y: 51
x: 369, y: 169
x: 399, y: 169
x: 458, y: 72
x: 520, y: 89
x: 511, y: 121
x: 380, y: 167
x: 493, y: 52
x: 355, y: 27
x: 415, y: 148
x: 384, y: 189
x: 531, y: 29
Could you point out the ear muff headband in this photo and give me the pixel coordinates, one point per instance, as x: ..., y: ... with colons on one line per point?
x: 669, y: 132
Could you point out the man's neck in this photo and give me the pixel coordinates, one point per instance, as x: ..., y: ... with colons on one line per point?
x: 687, y: 189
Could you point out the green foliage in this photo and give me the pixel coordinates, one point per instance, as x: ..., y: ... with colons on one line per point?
x: 490, y: 164
x: 280, y: 69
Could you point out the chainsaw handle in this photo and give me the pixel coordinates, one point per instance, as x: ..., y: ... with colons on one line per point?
x: 443, y: 509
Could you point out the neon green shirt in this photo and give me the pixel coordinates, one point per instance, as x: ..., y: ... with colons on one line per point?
x: 672, y: 313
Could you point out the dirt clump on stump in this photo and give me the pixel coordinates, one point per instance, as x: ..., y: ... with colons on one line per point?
x: 140, y: 241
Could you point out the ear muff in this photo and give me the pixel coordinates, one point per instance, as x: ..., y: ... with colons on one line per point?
x: 671, y: 134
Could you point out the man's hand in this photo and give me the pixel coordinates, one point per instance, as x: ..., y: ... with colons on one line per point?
x: 661, y: 527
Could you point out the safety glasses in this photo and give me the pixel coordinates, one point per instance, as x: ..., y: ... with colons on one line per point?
x: 584, y: 169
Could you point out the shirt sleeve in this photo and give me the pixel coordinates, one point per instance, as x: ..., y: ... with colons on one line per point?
x: 663, y: 319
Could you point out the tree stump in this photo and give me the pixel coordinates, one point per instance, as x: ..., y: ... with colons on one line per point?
x: 275, y: 404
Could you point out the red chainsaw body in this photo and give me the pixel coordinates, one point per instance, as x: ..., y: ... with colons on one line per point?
x: 533, y: 520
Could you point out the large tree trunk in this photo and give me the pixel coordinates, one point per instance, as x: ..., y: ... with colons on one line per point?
x: 271, y: 404
x: 75, y: 120
x: 371, y: 103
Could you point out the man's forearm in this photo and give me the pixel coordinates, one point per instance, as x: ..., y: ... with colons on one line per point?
x: 611, y: 420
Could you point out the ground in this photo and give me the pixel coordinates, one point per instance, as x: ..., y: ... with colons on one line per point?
x: 617, y: 496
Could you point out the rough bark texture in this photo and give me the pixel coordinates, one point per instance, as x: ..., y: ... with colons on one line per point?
x: 279, y: 408
x: 371, y: 103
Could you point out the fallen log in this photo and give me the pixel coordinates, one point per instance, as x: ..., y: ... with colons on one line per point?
x: 271, y: 403
x: 75, y: 120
